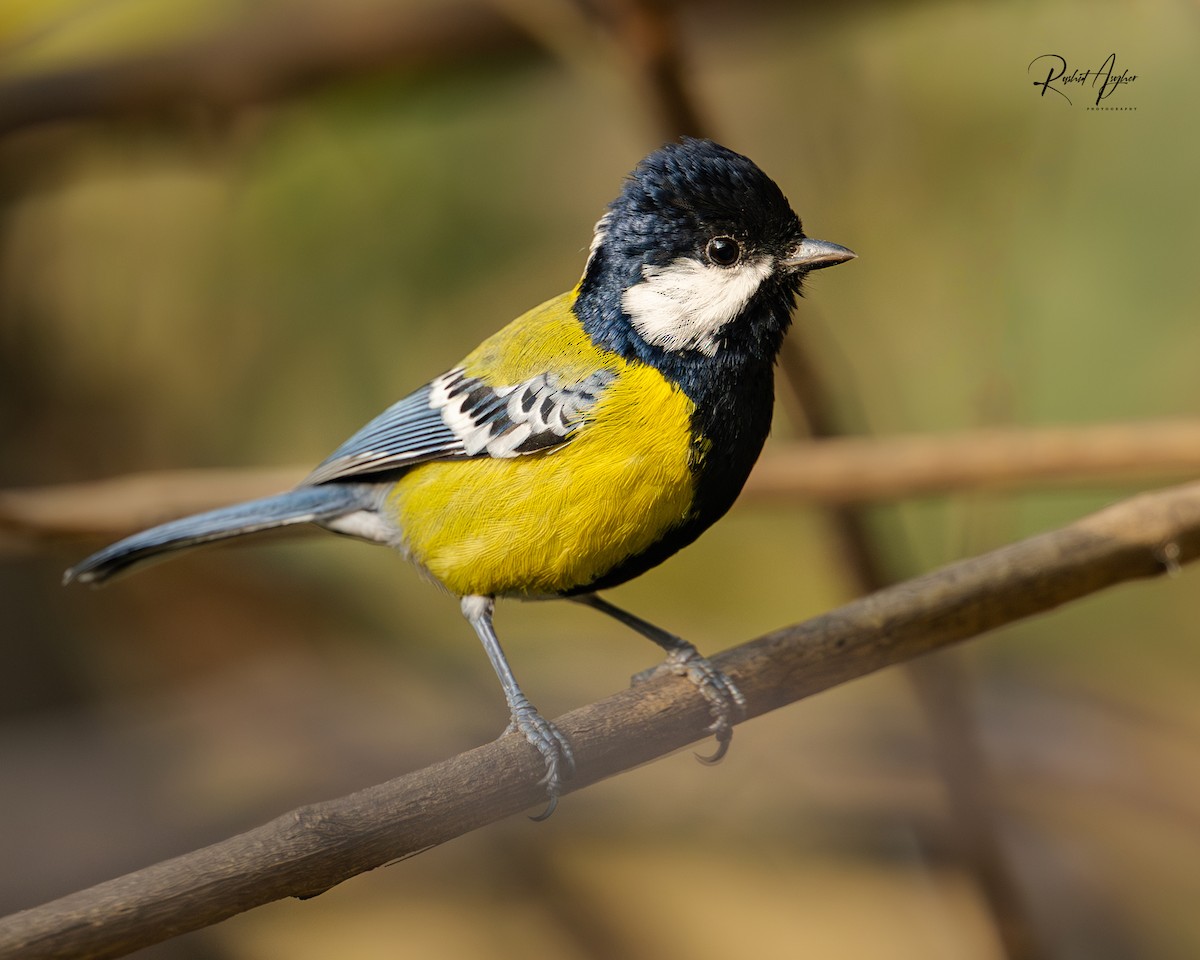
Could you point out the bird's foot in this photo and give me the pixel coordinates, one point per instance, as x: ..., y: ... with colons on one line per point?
x: 726, y: 704
x: 549, y: 741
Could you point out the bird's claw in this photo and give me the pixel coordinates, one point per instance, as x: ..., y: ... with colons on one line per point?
x: 726, y: 704
x: 554, y: 748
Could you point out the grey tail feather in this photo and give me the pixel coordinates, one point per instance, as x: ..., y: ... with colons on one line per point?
x: 302, y: 505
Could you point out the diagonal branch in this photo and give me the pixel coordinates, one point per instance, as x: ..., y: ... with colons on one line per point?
x: 309, y: 850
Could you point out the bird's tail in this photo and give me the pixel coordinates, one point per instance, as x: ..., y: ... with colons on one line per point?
x: 302, y: 505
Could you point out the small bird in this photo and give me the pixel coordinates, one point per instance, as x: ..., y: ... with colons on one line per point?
x: 588, y: 440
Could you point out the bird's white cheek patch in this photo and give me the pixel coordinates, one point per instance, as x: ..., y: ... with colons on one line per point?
x: 684, y: 305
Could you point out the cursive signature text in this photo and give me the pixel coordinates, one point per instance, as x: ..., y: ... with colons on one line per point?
x: 1105, y: 81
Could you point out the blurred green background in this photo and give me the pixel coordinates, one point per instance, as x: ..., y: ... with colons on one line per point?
x: 245, y: 287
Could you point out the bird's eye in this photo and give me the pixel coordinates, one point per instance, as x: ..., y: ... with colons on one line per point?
x: 723, y: 251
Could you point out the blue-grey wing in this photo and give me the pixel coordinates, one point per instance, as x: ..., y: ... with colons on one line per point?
x: 458, y: 416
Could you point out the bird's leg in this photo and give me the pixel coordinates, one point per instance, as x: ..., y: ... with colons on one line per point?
x: 536, y: 729
x: 724, y: 698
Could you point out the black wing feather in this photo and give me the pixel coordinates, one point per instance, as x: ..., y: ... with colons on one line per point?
x: 457, y: 417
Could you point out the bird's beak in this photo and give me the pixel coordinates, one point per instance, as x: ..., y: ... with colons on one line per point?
x: 814, y: 254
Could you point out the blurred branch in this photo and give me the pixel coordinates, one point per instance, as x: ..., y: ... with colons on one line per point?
x: 810, y: 393
x: 937, y: 683
x: 311, y: 849
x: 861, y: 469
x: 109, y: 508
x: 838, y: 471
x: 646, y: 30
x: 285, y: 50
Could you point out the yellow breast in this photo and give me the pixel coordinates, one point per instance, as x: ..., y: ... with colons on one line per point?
x: 540, y: 524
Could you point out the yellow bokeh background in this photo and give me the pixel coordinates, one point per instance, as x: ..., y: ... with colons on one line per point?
x: 244, y: 287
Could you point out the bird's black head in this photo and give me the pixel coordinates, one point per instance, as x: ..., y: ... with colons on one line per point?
x: 699, y: 258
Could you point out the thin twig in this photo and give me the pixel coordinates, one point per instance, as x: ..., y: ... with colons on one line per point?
x: 309, y: 850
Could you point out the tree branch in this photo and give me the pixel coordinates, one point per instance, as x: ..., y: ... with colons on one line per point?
x: 837, y: 470
x: 262, y: 57
x: 124, y: 504
x: 279, y: 53
x: 311, y: 849
x: 646, y: 31
x: 859, y: 469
